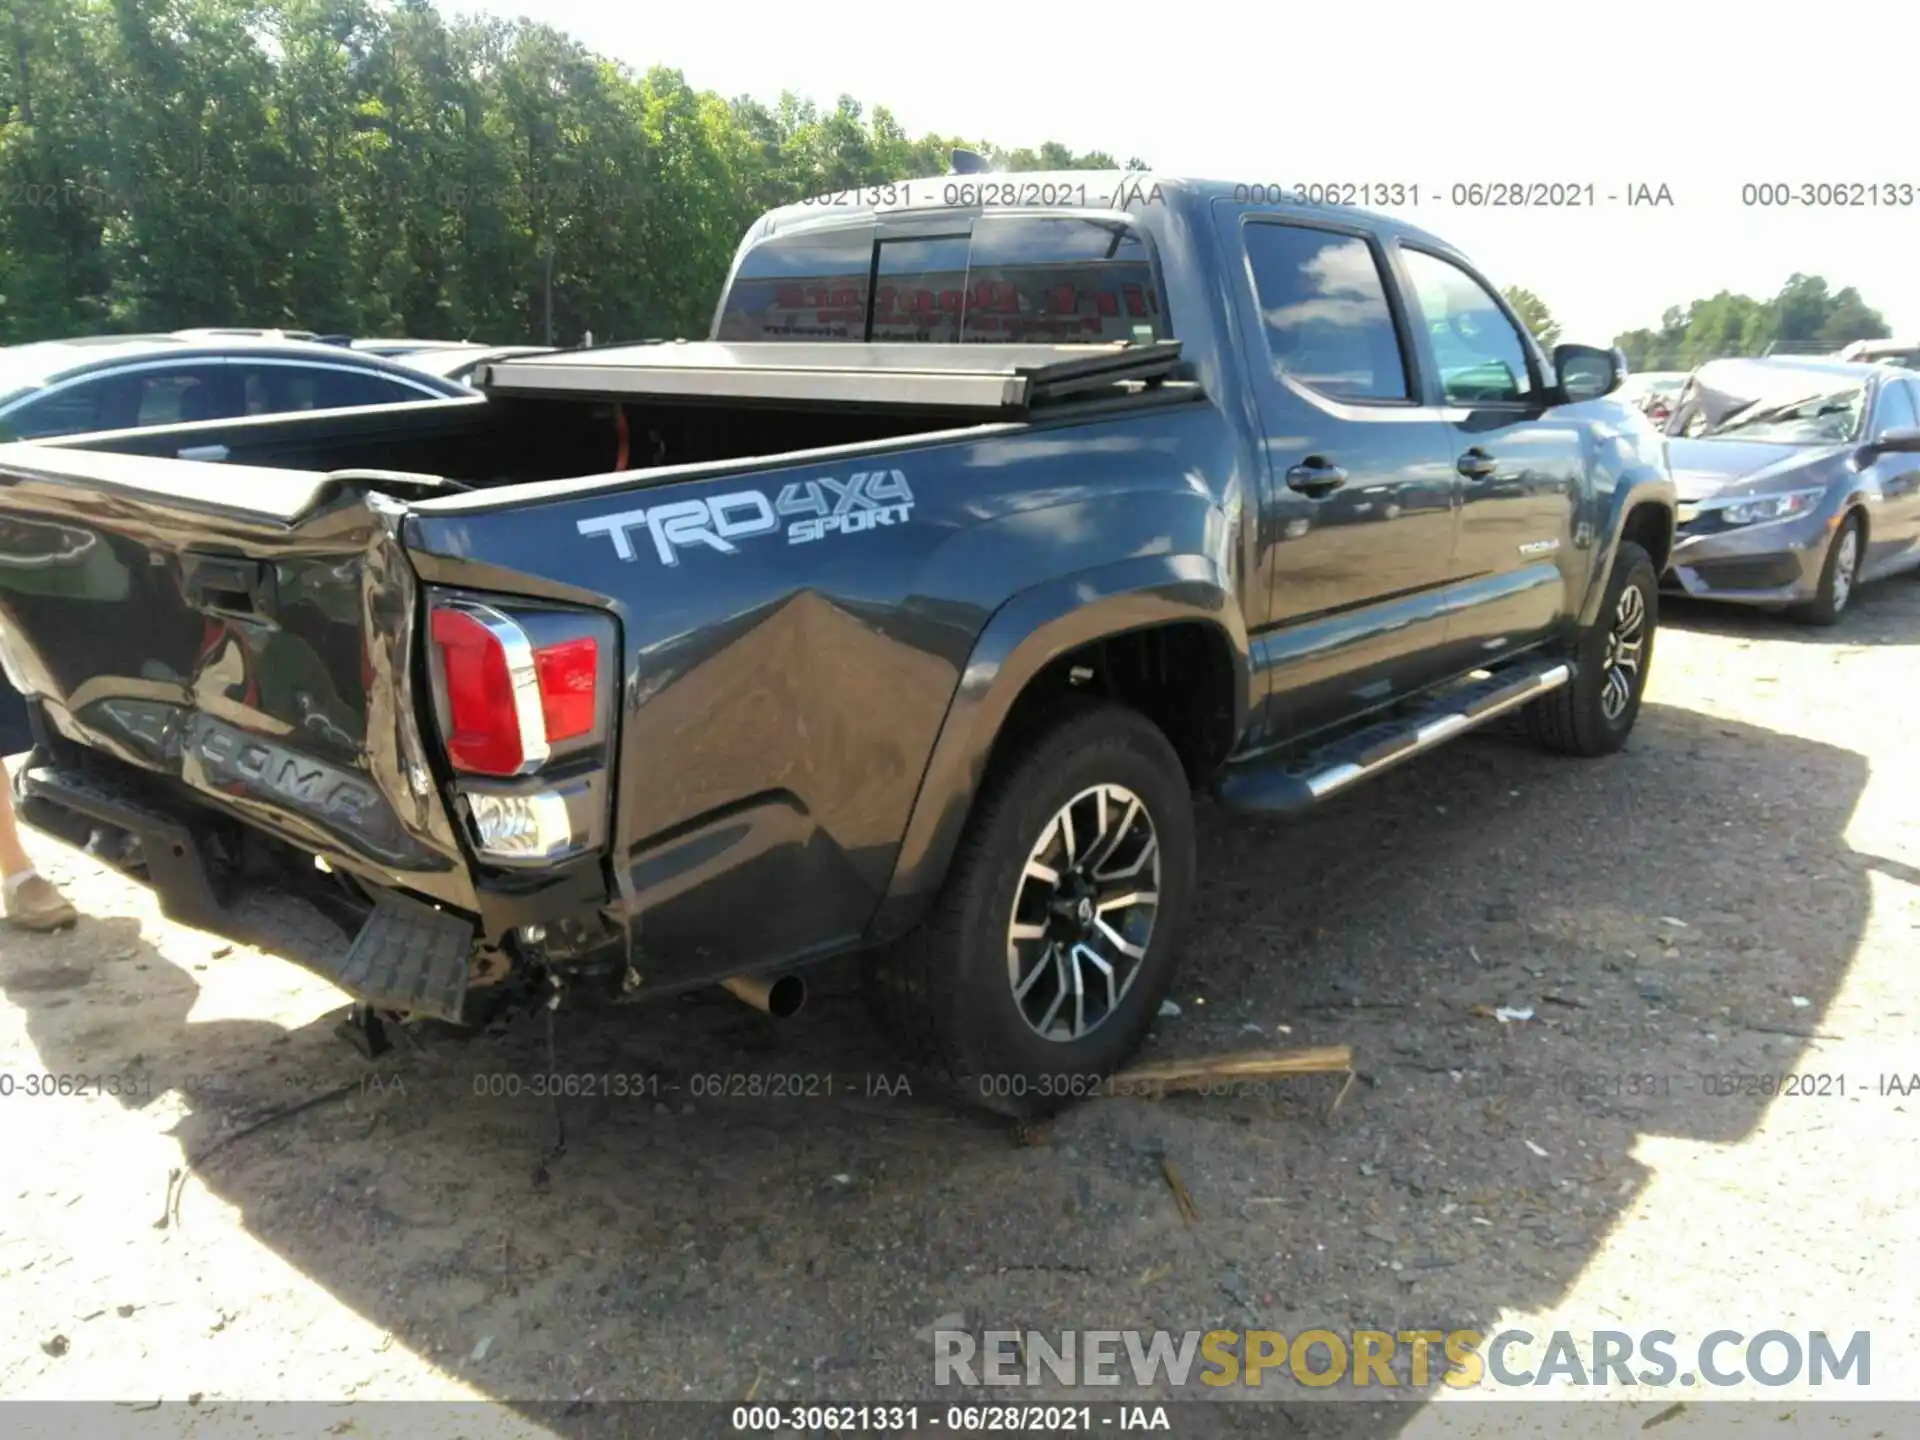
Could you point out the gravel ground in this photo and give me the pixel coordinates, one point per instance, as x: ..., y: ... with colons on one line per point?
x: 1734, y: 895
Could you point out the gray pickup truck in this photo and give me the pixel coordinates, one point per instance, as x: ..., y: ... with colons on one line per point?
x: 903, y: 616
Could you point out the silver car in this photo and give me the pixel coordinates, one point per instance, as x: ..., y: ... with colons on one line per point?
x: 1798, y: 479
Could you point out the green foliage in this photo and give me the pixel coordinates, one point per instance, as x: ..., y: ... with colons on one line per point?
x: 372, y: 167
x: 1534, y: 314
x: 1805, y: 317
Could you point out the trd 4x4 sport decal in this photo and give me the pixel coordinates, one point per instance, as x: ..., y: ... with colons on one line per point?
x: 809, y: 509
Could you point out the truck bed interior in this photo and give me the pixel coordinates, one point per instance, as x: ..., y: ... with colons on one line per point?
x: 588, y: 412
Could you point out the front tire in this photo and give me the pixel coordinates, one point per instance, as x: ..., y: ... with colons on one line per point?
x: 1838, y: 576
x: 1055, y: 938
x: 1593, y: 713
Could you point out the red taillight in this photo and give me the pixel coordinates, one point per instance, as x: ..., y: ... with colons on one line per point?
x: 569, y: 675
x: 508, y: 701
x: 483, y: 721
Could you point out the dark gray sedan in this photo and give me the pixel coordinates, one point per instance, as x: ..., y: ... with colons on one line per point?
x: 126, y: 382
x: 1798, y: 480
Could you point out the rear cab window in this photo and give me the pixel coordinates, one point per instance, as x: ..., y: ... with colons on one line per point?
x: 995, y: 279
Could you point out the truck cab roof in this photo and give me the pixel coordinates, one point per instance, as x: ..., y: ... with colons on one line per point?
x: 1132, y: 191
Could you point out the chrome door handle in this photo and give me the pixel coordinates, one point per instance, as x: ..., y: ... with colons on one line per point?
x: 1316, y: 477
x: 1476, y: 464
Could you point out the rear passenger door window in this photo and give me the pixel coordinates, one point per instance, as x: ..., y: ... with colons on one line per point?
x: 181, y: 394
x: 1324, y: 312
x: 1478, y: 351
x: 338, y: 389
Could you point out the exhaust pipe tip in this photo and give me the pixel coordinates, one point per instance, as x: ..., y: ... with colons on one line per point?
x: 786, y: 997
x: 781, y: 996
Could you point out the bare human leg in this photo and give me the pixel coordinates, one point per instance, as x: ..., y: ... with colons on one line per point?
x: 32, y: 901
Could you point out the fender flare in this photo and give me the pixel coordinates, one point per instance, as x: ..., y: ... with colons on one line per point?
x: 1643, y: 486
x: 1027, y: 633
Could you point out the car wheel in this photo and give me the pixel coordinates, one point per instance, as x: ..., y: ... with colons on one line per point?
x: 1838, y: 576
x: 1055, y: 937
x: 1593, y: 713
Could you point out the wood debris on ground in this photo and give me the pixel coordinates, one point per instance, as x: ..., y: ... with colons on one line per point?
x: 1203, y: 1071
x: 1219, y: 1073
x: 1181, y: 1197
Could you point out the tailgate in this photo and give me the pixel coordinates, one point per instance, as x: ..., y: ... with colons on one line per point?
x: 245, y: 633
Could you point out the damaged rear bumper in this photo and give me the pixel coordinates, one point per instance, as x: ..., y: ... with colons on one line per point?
x: 402, y: 955
x: 386, y: 949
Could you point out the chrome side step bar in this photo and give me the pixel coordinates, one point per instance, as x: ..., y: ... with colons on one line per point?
x: 1271, y: 787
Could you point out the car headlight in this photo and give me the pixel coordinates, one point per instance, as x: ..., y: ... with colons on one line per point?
x: 1770, y: 507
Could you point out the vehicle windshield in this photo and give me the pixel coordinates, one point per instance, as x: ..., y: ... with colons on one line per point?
x: 1831, y: 417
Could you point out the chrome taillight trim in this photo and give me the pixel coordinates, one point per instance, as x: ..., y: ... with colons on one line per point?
x: 525, y: 678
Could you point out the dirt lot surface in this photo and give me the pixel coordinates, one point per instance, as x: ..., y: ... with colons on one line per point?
x: 1733, y: 897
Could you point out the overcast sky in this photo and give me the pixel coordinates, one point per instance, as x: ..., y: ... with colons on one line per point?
x: 1702, y: 98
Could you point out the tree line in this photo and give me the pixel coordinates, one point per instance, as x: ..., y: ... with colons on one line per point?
x: 377, y: 169
x: 371, y: 167
x: 1807, y: 316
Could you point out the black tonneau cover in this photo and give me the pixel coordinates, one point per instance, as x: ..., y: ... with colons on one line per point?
x: 996, y: 379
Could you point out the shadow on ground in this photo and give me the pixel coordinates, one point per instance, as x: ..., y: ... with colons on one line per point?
x: 694, y: 1242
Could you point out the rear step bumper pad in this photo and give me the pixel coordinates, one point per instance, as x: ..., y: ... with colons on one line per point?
x: 409, y: 956
x: 1291, y: 787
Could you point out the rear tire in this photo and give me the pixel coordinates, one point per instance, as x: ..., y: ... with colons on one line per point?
x: 1593, y: 713
x: 1838, y: 576
x: 981, y: 996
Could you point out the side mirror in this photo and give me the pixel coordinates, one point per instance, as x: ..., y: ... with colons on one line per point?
x: 1900, y: 440
x: 1586, y: 372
